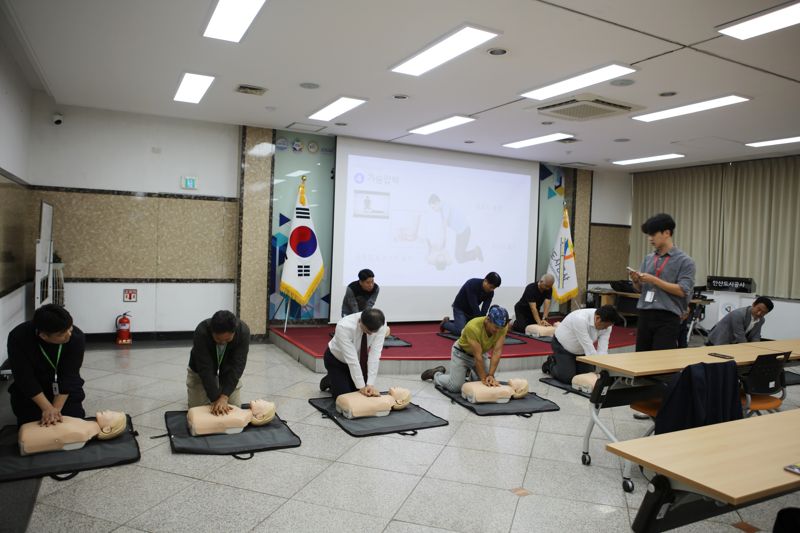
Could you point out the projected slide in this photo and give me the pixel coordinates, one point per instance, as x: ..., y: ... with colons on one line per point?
x: 423, y: 224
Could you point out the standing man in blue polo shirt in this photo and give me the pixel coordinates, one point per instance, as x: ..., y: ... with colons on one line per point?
x: 473, y: 300
x: 665, y: 281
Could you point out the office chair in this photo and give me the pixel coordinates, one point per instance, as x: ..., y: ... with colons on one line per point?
x: 765, y: 379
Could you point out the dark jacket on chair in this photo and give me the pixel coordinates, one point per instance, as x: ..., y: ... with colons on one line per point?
x: 701, y: 395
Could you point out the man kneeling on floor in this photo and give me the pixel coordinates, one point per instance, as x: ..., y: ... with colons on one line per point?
x: 577, y: 336
x: 354, y: 353
x: 470, y: 355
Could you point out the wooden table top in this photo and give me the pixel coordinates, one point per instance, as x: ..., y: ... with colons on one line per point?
x: 638, y: 364
x: 735, y: 462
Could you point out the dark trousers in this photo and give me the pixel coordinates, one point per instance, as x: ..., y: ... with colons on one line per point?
x: 339, y: 374
x: 564, y: 366
x: 26, y: 409
x: 657, y: 330
x: 456, y: 325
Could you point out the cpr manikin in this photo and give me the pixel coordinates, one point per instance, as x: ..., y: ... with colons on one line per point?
x: 535, y: 330
x: 584, y: 382
x: 477, y: 392
x: 356, y: 405
x: 203, y: 422
x: 71, y: 433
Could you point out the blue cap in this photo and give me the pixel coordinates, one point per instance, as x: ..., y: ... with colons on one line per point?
x: 498, y: 316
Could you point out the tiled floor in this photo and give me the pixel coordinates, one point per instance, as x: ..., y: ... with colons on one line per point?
x: 455, y: 478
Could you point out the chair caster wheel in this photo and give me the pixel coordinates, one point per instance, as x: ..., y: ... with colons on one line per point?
x: 627, y: 485
x: 586, y: 459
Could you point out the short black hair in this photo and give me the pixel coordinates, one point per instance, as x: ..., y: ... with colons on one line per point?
x: 365, y: 274
x: 607, y: 313
x: 51, y: 318
x: 659, y: 222
x: 373, y: 319
x: 493, y: 278
x: 224, y: 322
x: 766, y: 301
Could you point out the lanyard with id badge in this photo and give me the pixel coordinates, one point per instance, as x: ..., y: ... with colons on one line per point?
x: 220, y: 355
x: 55, y: 367
x: 650, y: 295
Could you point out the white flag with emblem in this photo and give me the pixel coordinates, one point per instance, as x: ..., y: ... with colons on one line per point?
x: 562, y: 264
x: 303, y: 268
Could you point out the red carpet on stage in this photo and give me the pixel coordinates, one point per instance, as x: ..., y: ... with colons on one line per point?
x: 425, y: 344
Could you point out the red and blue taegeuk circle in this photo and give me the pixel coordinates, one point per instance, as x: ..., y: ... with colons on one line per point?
x: 303, y: 241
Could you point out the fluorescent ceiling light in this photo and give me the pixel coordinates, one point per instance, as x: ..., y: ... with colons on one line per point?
x: 449, y: 48
x: 787, y: 140
x: 579, y: 82
x: 441, y: 125
x: 648, y: 159
x: 193, y: 87
x: 298, y: 173
x: 773, y: 21
x: 539, y: 140
x: 691, y: 108
x: 339, y: 107
x: 231, y: 19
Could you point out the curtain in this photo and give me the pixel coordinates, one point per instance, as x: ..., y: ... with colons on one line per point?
x: 761, y: 237
x: 693, y: 196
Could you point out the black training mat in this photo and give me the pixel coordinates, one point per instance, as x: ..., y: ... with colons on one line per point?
x: 553, y: 382
x: 508, y: 340
x: 406, y: 421
x: 792, y: 378
x: 547, y: 340
x: 522, y: 406
x: 272, y: 436
x: 95, y: 454
x: 390, y: 342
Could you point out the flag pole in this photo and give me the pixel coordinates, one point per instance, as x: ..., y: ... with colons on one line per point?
x: 286, y: 318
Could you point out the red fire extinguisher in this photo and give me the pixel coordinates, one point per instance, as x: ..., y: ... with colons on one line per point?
x: 123, y: 328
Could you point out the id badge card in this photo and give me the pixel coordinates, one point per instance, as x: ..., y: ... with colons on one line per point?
x: 55, y: 388
x: 650, y: 296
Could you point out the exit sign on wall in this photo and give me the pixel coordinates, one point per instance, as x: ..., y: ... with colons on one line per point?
x: 189, y: 182
x: 129, y: 295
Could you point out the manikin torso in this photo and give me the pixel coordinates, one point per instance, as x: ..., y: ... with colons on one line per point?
x: 535, y: 330
x: 356, y: 405
x: 477, y: 392
x: 69, y: 434
x: 203, y: 422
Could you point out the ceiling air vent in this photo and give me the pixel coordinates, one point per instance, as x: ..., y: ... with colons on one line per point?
x: 577, y: 164
x: 251, y: 89
x: 585, y: 107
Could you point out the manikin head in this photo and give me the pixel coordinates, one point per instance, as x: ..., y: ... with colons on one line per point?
x: 53, y: 324
x: 659, y: 228
x: 223, y: 326
x: 366, y: 278
x: 402, y: 397
x: 605, y: 317
x: 761, y: 306
x: 263, y: 412
x: 520, y: 387
x: 112, y: 424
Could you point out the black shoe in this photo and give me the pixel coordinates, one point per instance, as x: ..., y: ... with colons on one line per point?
x: 325, y: 383
x: 641, y: 416
x: 428, y: 374
x: 547, y: 364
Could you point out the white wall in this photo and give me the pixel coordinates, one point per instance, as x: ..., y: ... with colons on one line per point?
x: 15, y: 116
x: 160, y: 306
x: 13, y: 311
x: 98, y: 149
x: 612, y: 197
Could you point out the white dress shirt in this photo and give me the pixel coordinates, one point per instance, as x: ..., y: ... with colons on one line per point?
x: 346, y: 344
x: 577, y: 333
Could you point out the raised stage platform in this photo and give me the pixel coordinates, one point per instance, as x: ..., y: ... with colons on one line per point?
x: 307, y: 345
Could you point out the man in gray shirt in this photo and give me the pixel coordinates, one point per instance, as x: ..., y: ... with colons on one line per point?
x: 742, y: 325
x: 665, y: 281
